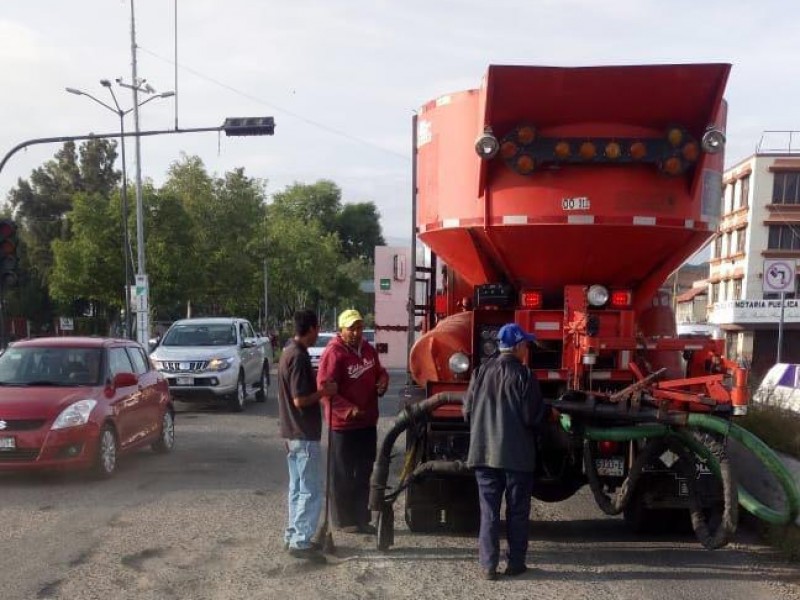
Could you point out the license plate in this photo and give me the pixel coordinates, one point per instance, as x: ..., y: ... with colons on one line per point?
x: 184, y: 381
x: 610, y: 467
x: 7, y: 443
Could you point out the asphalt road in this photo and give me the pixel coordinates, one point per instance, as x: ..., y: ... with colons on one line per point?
x: 206, y: 523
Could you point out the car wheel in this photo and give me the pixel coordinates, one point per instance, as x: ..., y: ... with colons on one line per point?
x: 166, y: 441
x: 263, y: 384
x: 106, y: 460
x: 239, y: 396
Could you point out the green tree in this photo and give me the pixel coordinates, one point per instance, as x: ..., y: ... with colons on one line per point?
x: 88, y: 264
x: 320, y: 201
x: 359, y: 228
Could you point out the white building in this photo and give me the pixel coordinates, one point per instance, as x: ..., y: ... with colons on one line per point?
x: 393, y: 274
x: 760, y: 222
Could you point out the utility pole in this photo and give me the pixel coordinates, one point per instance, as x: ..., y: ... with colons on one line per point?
x: 266, y: 302
x: 142, y: 286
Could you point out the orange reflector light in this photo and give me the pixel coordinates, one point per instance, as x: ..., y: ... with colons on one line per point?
x: 526, y: 134
x: 675, y: 137
x: 672, y: 166
x: 7, y: 247
x: 691, y: 151
x: 613, y: 150
x: 531, y: 299
x: 562, y: 150
x: 638, y: 150
x: 525, y: 164
x: 620, y: 298
x: 587, y: 151
x: 508, y: 149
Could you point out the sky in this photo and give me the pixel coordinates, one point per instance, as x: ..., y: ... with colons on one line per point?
x: 343, y: 78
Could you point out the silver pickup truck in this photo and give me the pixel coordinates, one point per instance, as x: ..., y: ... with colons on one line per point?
x: 214, y: 358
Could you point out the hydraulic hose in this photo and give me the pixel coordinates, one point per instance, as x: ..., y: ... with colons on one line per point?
x: 411, y: 414
x: 661, y: 438
x: 770, y: 460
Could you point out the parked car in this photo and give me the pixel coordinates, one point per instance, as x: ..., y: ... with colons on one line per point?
x: 220, y: 358
x: 79, y: 402
x: 315, y: 351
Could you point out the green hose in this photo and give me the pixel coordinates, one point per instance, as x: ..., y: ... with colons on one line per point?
x: 770, y: 460
x: 725, y: 428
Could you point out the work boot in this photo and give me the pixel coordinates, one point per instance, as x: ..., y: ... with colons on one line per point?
x: 512, y: 570
x: 489, y: 574
x: 367, y: 529
x: 310, y: 554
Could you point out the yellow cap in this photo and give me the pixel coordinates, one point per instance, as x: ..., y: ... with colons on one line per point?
x: 348, y: 317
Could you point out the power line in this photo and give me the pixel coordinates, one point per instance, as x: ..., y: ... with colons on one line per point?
x: 285, y: 111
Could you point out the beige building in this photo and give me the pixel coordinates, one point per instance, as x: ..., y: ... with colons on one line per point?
x: 759, y: 230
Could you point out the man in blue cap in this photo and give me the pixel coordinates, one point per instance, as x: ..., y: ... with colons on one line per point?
x: 503, y: 405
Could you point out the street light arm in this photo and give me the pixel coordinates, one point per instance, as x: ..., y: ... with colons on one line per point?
x: 143, y: 102
x: 100, y: 102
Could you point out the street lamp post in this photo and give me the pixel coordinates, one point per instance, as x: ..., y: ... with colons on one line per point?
x: 126, y: 252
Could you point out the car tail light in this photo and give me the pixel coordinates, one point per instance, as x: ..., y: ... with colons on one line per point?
x: 608, y: 448
x: 621, y: 298
x: 531, y: 299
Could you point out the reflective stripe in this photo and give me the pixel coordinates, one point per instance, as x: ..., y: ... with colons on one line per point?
x: 547, y: 326
x: 553, y: 375
x: 580, y: 219
x: 515, y: 220
x: 601, y: 375
x: 625, y: 358
x: 449, y: 223
x: 644, y: 220
x: 689, y: 223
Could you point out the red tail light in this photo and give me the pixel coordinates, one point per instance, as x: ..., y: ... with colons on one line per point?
x: 608, y: 448
x: 621, y: 298
x: 531, y: 299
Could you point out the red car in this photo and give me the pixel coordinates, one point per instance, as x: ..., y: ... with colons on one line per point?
x: 79, y: 402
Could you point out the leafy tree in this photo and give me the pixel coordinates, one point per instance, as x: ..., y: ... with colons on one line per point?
x: 321, y: 201
x: 88, y: 265
x: 359, y: 228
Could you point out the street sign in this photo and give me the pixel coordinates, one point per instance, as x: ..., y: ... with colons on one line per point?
x: 142, y: 309
x: 66, y: 324
x: 779, y: 275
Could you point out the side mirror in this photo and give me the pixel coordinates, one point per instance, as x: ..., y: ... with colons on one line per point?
x: 249, y: 342
x: 125, y: 380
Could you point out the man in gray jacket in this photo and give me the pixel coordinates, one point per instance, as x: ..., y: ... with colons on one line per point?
x: 503, y: 405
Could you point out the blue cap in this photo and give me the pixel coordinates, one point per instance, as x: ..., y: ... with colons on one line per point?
x: 512, y: 334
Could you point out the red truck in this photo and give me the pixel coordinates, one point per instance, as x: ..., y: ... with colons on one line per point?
x: 562, y: 199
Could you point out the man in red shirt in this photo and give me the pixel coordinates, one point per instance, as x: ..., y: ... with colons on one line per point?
x: 353, y: 365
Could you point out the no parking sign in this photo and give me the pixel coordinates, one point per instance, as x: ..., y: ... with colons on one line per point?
x: 779, y: 276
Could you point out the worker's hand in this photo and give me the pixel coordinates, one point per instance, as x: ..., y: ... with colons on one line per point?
x: 328, y: 388
x: 353, y: 413
x: 382, y: 385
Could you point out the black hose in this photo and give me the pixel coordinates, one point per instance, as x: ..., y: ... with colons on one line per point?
x: 411, y: 414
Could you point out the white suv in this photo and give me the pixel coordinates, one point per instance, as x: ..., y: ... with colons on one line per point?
x: 214, y: 358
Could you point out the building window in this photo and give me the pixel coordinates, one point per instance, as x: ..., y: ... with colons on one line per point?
x: 737, y: 289
x: 731, y: 342
x: 783, y: 237
x: 786, y: 188
x: 730, y: 198
x: 728, y: 243
x: 745, y: 185
x: 741, y: 240
x: 712, y: 292
x: 718, y: 246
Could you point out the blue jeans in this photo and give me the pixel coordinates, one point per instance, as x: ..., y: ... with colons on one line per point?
x: 517, y: 486
x: 305, y: 491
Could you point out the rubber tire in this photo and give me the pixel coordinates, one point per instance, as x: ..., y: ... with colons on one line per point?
x: 385, y: 537
x: 237, y: 400
x: 421, y: 520
x: 261, y: 392
x: 638, y: 518
x: 107, y: 453
x: 166, y: 438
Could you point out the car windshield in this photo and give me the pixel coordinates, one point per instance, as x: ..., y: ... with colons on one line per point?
x: 51, y: 366
x: 323, y: 340
x: 369, y: 335
x: 200, y: 334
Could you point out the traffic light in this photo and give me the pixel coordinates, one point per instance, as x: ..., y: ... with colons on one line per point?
x: 8, y: 253
x: 249, y: 126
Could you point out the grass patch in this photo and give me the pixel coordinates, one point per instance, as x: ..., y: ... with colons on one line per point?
x: 777, y: 427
